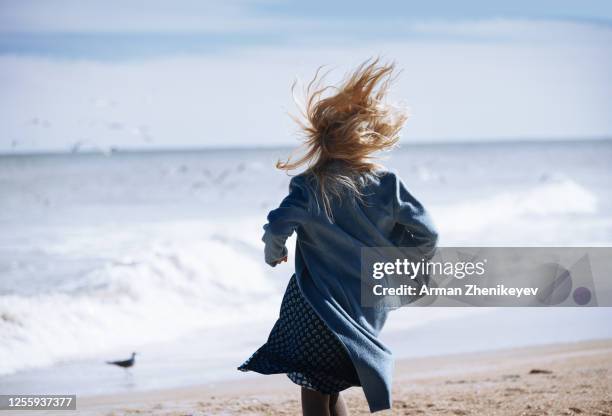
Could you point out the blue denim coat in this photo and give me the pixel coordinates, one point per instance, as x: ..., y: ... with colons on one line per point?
x: 328, y: 262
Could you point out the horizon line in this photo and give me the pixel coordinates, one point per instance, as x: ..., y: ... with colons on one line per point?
x: 114, y: 150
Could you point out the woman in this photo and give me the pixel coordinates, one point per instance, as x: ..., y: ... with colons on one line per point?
x: 324, y: 339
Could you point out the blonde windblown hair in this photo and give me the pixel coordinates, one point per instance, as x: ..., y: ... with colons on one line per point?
x: 344, y: 126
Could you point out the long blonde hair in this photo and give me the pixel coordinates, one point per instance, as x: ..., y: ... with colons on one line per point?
x: 346, y: 124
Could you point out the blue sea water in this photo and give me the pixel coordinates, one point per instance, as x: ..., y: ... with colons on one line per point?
x: 160, y: 252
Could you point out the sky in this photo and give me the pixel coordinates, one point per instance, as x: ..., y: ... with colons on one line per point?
x: 170, y: 74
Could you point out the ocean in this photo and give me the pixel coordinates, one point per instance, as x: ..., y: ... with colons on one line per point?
x: 160, y: 253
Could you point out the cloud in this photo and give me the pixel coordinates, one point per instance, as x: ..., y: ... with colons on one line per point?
x: 519, y: 30
x: 456, y: 90
x: 468, y: 18
x: 120, y: 16
x: 294, y: 33
x: 149, y: 73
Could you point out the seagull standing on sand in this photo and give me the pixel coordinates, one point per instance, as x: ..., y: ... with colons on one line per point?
x: 124, y: 363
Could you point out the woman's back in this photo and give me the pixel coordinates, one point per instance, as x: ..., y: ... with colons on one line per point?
x: 383, y: 214
x: 328, y: 259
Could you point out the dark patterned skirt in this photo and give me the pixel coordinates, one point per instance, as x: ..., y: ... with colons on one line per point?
x: 302, y: 346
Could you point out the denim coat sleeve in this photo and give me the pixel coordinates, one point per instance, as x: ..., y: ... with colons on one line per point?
x: 411, y: 214
x: 284, y: 220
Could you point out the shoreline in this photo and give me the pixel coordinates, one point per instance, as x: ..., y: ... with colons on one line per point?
x: 568, y: 376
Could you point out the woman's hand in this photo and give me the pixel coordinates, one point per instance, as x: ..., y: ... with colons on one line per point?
x: 279, y: 261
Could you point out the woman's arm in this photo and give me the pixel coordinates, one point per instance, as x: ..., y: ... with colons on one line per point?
x: 410, y: 213
x: 284, y: 220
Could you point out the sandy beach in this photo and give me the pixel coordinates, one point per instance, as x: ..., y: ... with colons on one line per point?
x: 561, y: 379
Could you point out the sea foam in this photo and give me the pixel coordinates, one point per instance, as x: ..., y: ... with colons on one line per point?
x: 160, y: 291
